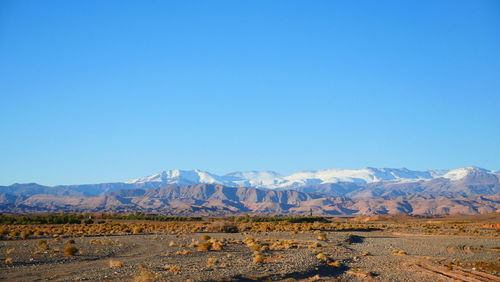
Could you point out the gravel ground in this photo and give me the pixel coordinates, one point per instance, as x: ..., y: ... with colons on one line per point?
x: 424, y: 260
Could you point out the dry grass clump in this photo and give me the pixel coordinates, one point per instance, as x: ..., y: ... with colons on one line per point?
x: 70, y: 241
x: 137, y: 230
x: 114, y: 263
x: 205, y: 237
x: 258, y: 259
x: 396, y: 252
x: 211, y: 262
x: 183, y: 252
x: 204, y: 247
x: 9, y: 261
x: 70, y: 250
x: 217, y: 246
x: 366, y: 253
x: 172, y: 268
x: 43, y: 245
x: 145, y: 275
x: 322, y: 236
x: 315, y: 245
x: 24, y: 234
x: 336, y: 264
x: 322, y: 257
x: 171, y: 244
x: 10, y: 251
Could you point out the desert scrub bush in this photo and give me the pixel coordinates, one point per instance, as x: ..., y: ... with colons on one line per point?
x: 211, y: 262
x: 258, y: 259
x: 396, y: 252
x: 9, y: 261
x: 144, y: 274
x: 10, y: 251
x: 43, y: 245
x: 216, y: 246
x: 205, y: 237
x: 171, y: 244
x: 70, y: 250
x: 315, y: 245
x: 336, y: 264
x: 254, y: 246
x: 183, y: 252
x: 322, y: 236
x: 172, y: 268
x: 366, y: 253
x: 114, y: 263
x: 137, y: 230
x: 24, y: 235
x: 322, y: 257
x: 204, y: 247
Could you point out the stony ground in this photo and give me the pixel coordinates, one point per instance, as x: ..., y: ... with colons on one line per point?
x: 351, y: 256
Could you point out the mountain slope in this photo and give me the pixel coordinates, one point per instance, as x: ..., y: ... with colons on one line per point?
x: 206, y: 199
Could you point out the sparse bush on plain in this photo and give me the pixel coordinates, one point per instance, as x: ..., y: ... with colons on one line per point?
x: 43, y: 245
x: 114, y: 263
x: 70, y: 250
x: 145, y: 275
x: 204, y: 247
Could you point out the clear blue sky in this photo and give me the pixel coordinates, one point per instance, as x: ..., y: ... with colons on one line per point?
x: 101, y: 91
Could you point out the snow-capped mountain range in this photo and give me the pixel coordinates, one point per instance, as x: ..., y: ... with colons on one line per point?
x: 273, y: 180
x: 331, y: 191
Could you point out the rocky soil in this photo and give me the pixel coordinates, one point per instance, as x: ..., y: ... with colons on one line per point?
x: 359, y: 256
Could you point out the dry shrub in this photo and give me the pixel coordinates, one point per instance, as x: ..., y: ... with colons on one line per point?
x: 396, y: 252
x: 172, y: 268
x: 229, y: 255
x: 144, y: 274
x: 336, y: 264
x: 205, y: 237
x: 70, y: 250
x: 366, y: 253
x: 211, y: 262
x: 322, y: 257
x: 254, y: 246
x: 114, y: 263
x: 10, y: 251
x: 322, y: 236
x: 70, y: 241
x: 204, y: 247
x: 171, y: 244
x: 258, y: 259
x: 315, y: 245
x: 9, y: 260
x: 43, y: 245
x: 24, y: 235
x: 216, y: 246
x: 137, y: 230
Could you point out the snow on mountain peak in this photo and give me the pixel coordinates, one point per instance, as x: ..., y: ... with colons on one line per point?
x: 271, y: 179
x: 463, y: 172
